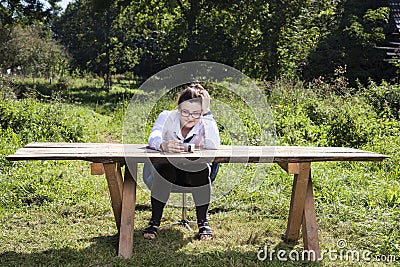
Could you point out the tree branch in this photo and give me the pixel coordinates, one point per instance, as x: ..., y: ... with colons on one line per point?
x: 181, y: 6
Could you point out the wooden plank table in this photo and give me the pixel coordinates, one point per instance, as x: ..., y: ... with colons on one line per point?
x: 110, y: 157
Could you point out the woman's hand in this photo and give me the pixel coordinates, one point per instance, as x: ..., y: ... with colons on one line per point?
x: 205, y: 101
x: 172, y: 146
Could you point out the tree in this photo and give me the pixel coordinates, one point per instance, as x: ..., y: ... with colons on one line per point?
x: 33, y: 54
x: 265, y: 39
x: 83, y: 32
x: 27, y: 12
x: 350, y: 44
x: 15, y: 14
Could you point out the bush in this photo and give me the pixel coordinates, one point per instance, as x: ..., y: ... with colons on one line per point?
x: 6, y: 88
x: 35, y: 121
x: 321, y: 114
x: 347, y: 120
x: 38, y: 183
x: 385, y: 98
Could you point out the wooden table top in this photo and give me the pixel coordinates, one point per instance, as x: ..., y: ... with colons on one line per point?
x: 111, y: 152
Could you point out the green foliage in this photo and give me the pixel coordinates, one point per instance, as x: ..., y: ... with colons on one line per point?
x: 384, y: 98
x: 343, y: 126
x: 87, y: 35
x: 318, y: 115
x: 115, y: 40
x: 312, y: 23
x: 27, y: 51
x: 54, y: 213
x: 350, y: 43
x: 25, y: 39
x: 35, y: 184
x: 34, y: 121
x: 264, y: 39
x: 15, y: 12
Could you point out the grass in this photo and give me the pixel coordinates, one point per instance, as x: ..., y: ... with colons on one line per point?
x: 54, y: 213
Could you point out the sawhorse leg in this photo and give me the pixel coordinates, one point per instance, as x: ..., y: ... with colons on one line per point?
x: 125, y: 247
x: 123, y: 200
x: 115, y: 186
x: 302, y: 209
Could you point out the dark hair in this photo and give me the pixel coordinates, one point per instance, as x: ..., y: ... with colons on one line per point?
x: 191, y: 92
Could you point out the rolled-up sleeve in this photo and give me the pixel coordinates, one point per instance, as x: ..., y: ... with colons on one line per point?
x: 155, y: 138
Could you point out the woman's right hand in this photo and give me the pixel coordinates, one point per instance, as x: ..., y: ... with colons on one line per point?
x: 172, y: 146
x: 205, y: 101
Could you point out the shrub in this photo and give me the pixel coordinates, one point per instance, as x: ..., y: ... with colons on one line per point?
x: 385, y: 98
x: 309, y: 115
x: 34, y: 121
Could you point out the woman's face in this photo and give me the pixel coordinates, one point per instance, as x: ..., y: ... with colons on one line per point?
x: 190, y: 113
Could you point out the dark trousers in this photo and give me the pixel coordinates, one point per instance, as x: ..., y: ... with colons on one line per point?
x: 194, y: 178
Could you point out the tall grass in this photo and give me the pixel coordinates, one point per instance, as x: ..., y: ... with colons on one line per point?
x: 55, y: 213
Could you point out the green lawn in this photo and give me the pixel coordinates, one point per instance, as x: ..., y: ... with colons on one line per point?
x: 54, y: 213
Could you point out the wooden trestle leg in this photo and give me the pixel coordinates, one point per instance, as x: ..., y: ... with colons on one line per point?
x: 114, y: 180
x: 310, y: 228
x: 302, y: 209
x: 128, y: 212
x: 123, y: 200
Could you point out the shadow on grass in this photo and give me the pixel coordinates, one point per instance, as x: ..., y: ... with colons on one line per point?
x: 86, y: 94
x: 99, y: 251
x: 170, y: 248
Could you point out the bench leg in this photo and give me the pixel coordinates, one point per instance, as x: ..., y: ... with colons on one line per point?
x: 297, y: 202
x: 128, y: 212
x: 310, y: 228
x: 114, y: 180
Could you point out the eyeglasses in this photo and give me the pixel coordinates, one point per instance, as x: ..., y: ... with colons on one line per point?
x: 186, y: 113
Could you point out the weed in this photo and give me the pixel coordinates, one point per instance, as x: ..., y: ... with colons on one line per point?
x: 52, y: 213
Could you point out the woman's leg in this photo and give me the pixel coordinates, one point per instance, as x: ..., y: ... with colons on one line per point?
x: 201, y: 191
x: 160, y: 191
x: 201, y: 213
x: 164, y: 176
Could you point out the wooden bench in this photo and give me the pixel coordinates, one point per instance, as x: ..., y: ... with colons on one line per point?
x: 109, y: 158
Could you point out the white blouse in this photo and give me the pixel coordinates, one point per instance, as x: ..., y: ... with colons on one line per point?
x: 167, y: 127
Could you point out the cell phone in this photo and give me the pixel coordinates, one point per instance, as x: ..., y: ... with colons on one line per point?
x: 188, y: 147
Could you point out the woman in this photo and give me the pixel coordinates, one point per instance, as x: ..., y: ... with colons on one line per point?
x: 191, y: 123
